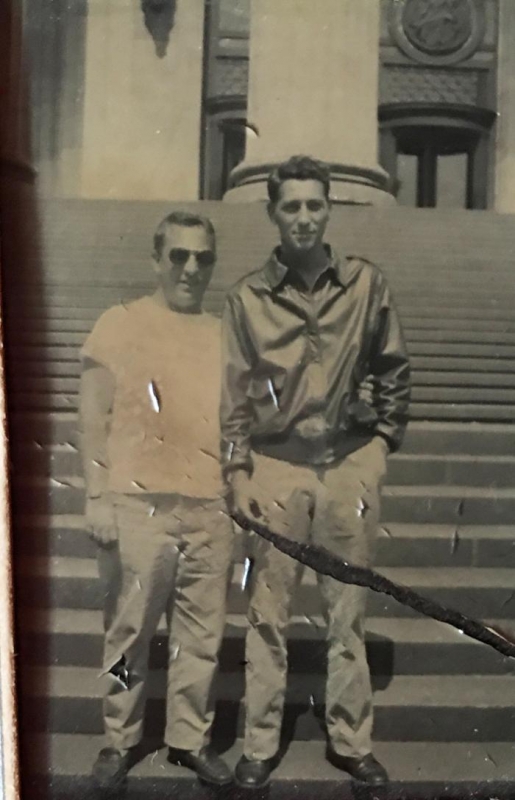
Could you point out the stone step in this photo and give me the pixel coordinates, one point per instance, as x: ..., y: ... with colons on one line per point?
x: 457, y: 368
x: 74, y: 638
x: 459, y: 412
x: 414, y: 708
x: 415, y: 312
x: 442, y: 388
x: 448, y: 504
x: 73, y: 334
x: 426, y: 437
x: 470, y: 379
x: 445, y: 410
x: 451, y: 324
x: 417, y: 504
x: 58, y: 461
x: 52, y: 344
x: 63, y: 376
x: 480, y: 290
x: 399, y: 544
x: 482, y: 593
x: 487, y: 287
x: 461, y: 365
x: 417, y: 769
x: 472, y: 394
x: 61, y: 319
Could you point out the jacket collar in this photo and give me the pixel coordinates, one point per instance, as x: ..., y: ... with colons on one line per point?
x: 343, y: 268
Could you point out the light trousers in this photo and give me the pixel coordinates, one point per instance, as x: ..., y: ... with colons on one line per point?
x: 175, y: 559
x: 337, y: 507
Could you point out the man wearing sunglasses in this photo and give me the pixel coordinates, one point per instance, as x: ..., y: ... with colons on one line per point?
x: 148, y: 409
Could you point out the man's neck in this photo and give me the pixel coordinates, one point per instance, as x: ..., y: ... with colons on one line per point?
x: 309, y: 266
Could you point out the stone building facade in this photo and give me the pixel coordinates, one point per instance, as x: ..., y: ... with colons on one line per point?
x: 410, y: 100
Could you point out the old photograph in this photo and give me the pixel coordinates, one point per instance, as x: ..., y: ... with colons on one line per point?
x: 258, y: 278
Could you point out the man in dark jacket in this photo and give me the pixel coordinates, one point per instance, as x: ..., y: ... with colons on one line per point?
x: 302, y: 452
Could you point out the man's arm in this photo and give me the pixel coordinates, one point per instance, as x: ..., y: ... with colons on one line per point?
x: 390, y: 367
x: 95, y: 406
x: 236, y: 410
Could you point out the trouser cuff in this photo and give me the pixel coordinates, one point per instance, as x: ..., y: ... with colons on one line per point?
x: 180, y: 743
x: 121, y: 743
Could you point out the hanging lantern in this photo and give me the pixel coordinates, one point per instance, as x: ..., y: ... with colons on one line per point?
x: 159, y: 17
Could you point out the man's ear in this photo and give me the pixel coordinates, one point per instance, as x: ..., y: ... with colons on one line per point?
x: 270, y: 208
x: 155, y: 262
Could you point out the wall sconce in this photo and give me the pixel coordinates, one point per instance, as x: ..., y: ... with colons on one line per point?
x: 159, y: 16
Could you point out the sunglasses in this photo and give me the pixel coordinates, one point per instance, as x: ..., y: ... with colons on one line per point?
x: 180, y: 256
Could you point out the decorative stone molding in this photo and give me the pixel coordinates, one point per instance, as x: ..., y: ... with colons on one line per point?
x: 447, y: 115
x: 231, y: 77
x: 350, y: 184
x: 437, y: 32
x: 417, y: 84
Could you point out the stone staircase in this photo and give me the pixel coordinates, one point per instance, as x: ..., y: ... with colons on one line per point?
x: 445, y: 709
x: 434, y: 688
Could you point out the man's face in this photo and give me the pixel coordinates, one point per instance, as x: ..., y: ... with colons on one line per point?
x: 185, y: 266
x: 301, y: 214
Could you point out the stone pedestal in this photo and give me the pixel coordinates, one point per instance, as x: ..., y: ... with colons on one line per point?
x: 143, y: 102
x: 504, y: 198
x: 313, y: 89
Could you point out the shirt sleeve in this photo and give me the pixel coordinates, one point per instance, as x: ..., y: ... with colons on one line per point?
x: 103, y: 343
x: 390, y: 367
x: 235, y: 408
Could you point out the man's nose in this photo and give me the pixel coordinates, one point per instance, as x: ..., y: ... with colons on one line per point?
x: 191, y: 266
x: 303, y: 217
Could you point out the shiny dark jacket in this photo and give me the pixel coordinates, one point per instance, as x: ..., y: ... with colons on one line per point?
x: 293, y: 362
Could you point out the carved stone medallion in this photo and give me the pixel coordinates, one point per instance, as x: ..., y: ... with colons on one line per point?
x: 437, y: 31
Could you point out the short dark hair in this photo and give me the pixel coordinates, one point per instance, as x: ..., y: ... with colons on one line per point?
x: 188, y: 220
x: 300, y: 168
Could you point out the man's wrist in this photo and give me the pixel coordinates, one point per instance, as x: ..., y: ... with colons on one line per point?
x: 384, y: 441
x: 237, y: 474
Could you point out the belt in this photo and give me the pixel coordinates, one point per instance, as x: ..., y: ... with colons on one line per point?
x: 316, y: 451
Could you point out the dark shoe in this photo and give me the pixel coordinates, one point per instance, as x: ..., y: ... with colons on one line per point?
x: 207, y: 764
x: 110, y: 769
x: 253, y: 774
x: 366, y: 769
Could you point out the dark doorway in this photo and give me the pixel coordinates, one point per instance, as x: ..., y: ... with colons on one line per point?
x: 436, y: 159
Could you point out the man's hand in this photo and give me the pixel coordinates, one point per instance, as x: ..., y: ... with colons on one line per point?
x: 245, y: 501
x: 366, y: 391
x: 380, y: 451
x: 100, y: 521
x: 381, y: 443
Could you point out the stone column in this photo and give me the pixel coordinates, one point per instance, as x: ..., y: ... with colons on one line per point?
x: 504, y: 193
x: 143, y: 97
x: 313, y: 89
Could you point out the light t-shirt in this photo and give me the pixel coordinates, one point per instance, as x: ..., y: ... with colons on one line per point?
x: 164, y: 434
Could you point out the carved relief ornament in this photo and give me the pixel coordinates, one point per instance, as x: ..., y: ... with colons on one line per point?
x: 437, y: 31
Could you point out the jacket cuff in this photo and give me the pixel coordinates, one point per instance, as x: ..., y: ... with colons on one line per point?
x: 391, y: 441
x: 235, y: 458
